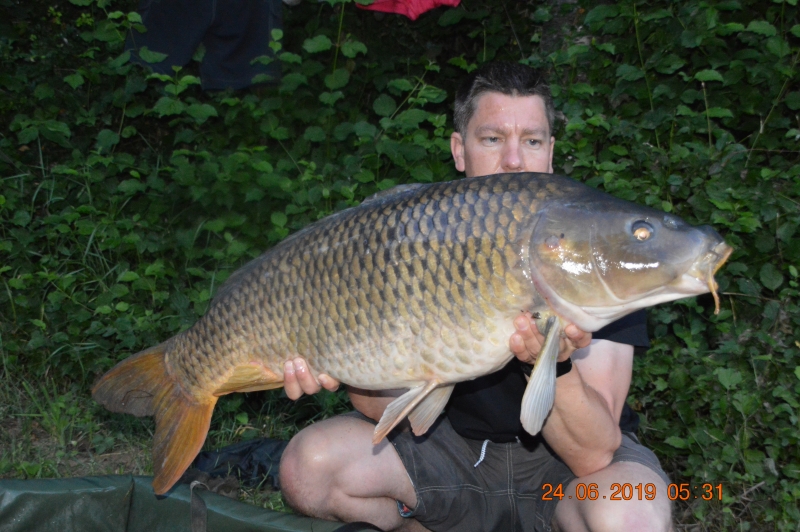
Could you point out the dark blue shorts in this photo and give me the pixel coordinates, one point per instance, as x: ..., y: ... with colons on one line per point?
x: 234, y: 32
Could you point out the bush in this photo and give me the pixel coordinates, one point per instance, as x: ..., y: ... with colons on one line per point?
x: 128, y: 197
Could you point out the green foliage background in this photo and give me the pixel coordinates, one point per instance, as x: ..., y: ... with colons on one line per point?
x: 127, y: 198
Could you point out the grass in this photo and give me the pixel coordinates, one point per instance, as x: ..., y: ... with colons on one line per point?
x: 55, y: 430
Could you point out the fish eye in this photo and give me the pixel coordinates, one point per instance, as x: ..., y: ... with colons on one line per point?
x: 642, y: 230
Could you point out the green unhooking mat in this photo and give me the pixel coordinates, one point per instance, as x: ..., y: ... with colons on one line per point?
x: 127, y: 504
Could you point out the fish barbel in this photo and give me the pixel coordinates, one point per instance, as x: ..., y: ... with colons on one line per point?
x: 416, y: 288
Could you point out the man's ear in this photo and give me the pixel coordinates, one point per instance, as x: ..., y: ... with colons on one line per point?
x: 457, y: 149
x: 552, y: 150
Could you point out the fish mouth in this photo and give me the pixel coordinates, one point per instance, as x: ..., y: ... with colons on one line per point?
x: 717, y: 258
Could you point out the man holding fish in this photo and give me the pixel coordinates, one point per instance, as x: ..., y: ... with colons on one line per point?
x: 476, y: 469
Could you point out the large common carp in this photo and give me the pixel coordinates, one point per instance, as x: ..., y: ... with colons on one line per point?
x: 416, y: 288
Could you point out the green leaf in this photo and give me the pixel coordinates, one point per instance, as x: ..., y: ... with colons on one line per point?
x: 330, y: 98
x: 131, y: 186
x: 289, y: 57
x: 201, y: 112
x: 120, y: 60
x: 320, y: 43
x: 291, y: 81
x: 777, y: 46
x: 728, y: 377
x: 795, y: 30
x: 27, y: 135
x: 21, y: 218
x: 262, y: 166
x: 401, y: 84
x: 676, y: 442
x: 762, y: 27
x: 352, y: 48
x: 338, y: 79
x: 708, y: 75
x: 797, y: 372
x: 793, y: 101
x: 365, y: 129
x: 629, y: 72
x: 279, y: 219
x: 719, y: 112
x: 127, y: 277
x: 167, y: 106
x: 149, y: 56
x: 770, y: 276
x: 106, y: 139
x: 729, y: 28
x: 690, y: 39
x: 43, y: 91
x: 451, y: 16
x: 74, y: 80
x: 600, y: 13
x: 314, y: 134
x: 606, y: 47
x: 384, y: 105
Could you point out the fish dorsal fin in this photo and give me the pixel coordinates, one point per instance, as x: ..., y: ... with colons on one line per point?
x: 400, y: 408
x: 541, y: 390
x: 391, y: 192
x: 426, y: 412
x: 250, y: 378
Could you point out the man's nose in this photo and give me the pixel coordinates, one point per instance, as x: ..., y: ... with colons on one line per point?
x: 512, y: 157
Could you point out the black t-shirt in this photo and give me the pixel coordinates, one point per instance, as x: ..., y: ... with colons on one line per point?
x: 489, y: 406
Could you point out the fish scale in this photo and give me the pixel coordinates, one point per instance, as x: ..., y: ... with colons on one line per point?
x: 415, y: 288
x: 296, y: 316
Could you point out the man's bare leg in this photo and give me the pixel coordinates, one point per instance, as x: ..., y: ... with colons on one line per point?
x: 604, y: 514
x: 332, y: 470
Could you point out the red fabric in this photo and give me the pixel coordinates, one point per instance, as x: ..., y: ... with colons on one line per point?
x: 410, y: 8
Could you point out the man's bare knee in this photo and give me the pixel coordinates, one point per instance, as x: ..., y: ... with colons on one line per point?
x: 608, y: 512
x: 305, y: 471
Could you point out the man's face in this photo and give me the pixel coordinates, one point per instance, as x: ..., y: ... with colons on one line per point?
x: 506, y: 134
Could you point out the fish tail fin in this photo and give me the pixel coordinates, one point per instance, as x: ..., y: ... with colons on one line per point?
x: 131, y: 386
x: 540, y: 393
x: 140, y: 385
x: 181, y: 428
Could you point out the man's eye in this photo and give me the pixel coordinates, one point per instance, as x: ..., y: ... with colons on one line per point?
x: 490, y: 140
x: 534, y: 142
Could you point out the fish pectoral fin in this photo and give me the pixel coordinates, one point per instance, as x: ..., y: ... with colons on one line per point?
x: 400, y: 408
x: 250, y: 378
x: 426, y: 412
x: 541, y: 390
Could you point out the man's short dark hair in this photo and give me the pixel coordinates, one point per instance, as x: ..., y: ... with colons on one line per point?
x: 511, y: 79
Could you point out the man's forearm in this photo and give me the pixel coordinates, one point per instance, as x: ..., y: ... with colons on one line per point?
x: 581, y: 428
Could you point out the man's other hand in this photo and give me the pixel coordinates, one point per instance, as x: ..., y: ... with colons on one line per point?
x: 298, y: 379
x: 527, y: 341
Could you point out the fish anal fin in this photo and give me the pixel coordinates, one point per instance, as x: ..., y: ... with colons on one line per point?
x: 181, y: 428
x: 541, y: 390
x: 426, y: 412
x: 400, y: 408
x: 250, y: 378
